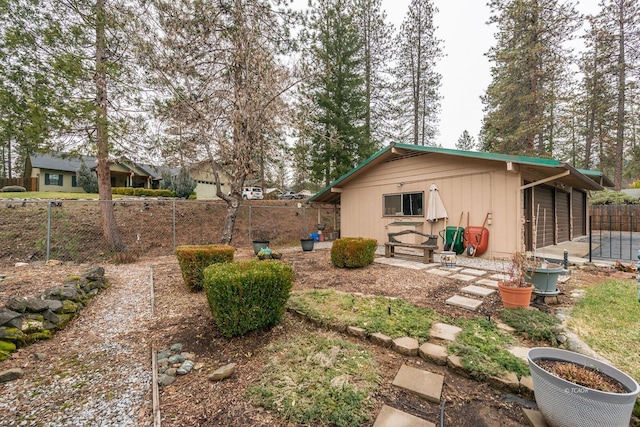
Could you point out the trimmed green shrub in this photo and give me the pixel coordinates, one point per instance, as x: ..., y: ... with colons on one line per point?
x: 248, y: 295
x: 13, y: 189
x: 130, y: 191
x: 193, y: 259
x: 87, y: 180
x: 353, y: 252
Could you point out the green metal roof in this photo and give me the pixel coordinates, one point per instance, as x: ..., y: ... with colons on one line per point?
x: 523, y: 160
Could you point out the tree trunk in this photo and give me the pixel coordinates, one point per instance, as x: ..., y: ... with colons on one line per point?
x: 233, y: 205
x: 621, y: 100
x: 109, y: 227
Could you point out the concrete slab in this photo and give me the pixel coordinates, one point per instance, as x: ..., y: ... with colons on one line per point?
x: 520, y: 352
x: 356, y: 332
x: 391, y: 417
x: 478, y: 290
x: 488, y: 282
x: 473, y: 272
x: 453, y: 269
x: 526, y: 386
x: 463, y: 277
x: 501, y: 277
x: 508, y: 382
x: 505, y: 327
x: 381, y: 339
x: 440, y: 272
x: 444, y: 332
x: 464, y: 302
x: 534, y: 418
x: 423, y: 383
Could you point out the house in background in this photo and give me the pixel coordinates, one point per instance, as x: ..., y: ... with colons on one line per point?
x: 527, y: 201
x: 57, y: 172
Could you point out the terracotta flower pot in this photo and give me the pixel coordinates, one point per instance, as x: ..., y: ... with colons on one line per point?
x: 515, y: 297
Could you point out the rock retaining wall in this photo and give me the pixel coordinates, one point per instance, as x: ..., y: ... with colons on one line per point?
x: 24, y: 320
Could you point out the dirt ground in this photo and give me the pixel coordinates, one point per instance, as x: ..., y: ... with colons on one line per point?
x: 184, y: 317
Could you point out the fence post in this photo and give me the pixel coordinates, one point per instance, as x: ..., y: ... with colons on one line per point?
x: 48, y: 230
x: 173, y: 214
x: 250, y: 239
x: 590, y: 237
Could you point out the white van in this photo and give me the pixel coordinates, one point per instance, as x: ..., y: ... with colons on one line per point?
x: 252, y: 193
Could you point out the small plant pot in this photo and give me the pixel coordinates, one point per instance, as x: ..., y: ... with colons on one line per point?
x: 259, y: 244
x: 564, y: 403
x: 515, y: 297
x: 307, y: 244
x: 545, y: 279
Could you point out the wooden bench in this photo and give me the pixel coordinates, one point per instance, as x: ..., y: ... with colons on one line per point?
x: 427, y: 247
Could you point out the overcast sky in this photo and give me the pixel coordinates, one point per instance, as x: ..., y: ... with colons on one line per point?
x: 461, y: 24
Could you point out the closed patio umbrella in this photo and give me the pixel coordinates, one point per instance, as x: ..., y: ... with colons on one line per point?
x: 435, y: 208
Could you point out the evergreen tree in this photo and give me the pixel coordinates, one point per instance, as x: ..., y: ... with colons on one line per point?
x: 87, y: 180
x: 466, y: 142
x: 336, y: 93
x: 184, y: 184
x: 530, y: 66
x: 417, y: 82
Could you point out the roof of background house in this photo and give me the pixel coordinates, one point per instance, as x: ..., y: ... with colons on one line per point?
x: 61, y: 161
x: 590, y: 180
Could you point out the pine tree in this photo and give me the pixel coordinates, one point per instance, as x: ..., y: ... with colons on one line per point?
x: 336, y: 93
x: 87, y: 180
x: 184, y: 184
x: 466, y: 142
x: 530, y: 67
x: 418, y: 83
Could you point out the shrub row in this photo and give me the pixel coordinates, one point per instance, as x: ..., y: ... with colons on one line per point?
x: 353, y: 252
x: 193, y: 259
x: 13, y: 189
x: 128, y: 191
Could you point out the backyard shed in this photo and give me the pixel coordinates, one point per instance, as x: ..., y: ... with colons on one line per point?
x: 527, y: 201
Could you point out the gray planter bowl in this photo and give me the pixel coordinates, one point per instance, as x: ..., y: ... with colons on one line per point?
x: 566, y: 404
x: 544, y: 279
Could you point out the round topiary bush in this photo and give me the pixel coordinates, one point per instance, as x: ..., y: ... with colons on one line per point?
x: 248, y: 295
x: 353, y: 252
x: 193, y: 259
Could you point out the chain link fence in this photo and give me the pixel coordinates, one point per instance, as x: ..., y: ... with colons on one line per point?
x: 70, y: 230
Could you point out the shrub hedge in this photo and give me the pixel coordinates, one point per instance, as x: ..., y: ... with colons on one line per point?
x: 353, y: 252
x: 13, y: 189
x: 129, y: 191
x: 193, y: 259
x: 248, y: 295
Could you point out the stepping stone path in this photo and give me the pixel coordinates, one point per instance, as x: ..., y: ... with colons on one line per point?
x: 428, y: 385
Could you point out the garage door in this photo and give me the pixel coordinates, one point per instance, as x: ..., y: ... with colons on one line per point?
x: 579, y: 213
x: 543, y: 215
x: 563, y: 216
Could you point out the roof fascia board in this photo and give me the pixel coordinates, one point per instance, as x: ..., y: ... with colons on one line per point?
x: 547, y: 179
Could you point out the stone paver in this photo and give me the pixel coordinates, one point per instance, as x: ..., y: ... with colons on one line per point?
x: 463, y: 277
x: 406, y: 345
x: 526, y: 385
x: 564, y: 279
x: 473, y: 272
x: 391, y: 417
x: 535, y: 418
x: 501, y: 277
x: 433, y: 353
x: 356, y: 331
x: 425, y: 384
x: 507, y: 382
x: 381, y: 339
x: 478, y: 290
x: 488, y: 282
x: 505, y: 327
x: 440, y: 272
x: 442, y: 331
x: 453, y: 269
x: 520, y: 352
x: 464, y: 302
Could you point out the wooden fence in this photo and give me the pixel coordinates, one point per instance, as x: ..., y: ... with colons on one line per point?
x: 615, y: 217
x: 31, y: 184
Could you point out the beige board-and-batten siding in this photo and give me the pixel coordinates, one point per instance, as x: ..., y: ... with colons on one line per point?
x: 465, y: 185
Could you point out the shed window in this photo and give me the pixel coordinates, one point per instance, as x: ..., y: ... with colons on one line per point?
x: 407, y: 204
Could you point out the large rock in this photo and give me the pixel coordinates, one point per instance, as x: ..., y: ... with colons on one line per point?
x: 94, y: 273
x: 11, y: 334
x: 7, y: 315
x: 165, y: 380
x: 30, y: 326
x: 36, y: 305
x: 68, y: 306
x: 18, y: 304
x: 52, y: 317
x: 54, y: 305
x: 223, y: 372
x: 69, y: 292
x: 11, y: 375
x: 7, y: 346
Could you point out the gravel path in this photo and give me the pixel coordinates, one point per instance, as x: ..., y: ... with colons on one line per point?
x: 96, y: 372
